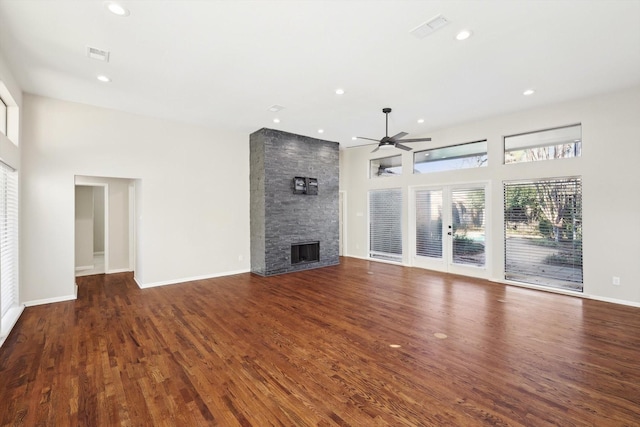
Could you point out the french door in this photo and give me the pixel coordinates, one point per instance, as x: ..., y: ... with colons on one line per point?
x: 448, y: 229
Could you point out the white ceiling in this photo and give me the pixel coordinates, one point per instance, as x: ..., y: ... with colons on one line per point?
x: 222, y: 64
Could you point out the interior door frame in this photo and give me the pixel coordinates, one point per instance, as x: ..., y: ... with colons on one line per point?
x: 446, y: 264
x: 105, y: 187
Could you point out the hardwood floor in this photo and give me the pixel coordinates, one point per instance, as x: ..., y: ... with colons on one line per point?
x: 313, y: 348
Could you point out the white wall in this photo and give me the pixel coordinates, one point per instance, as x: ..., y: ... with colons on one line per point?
x: 84, y: 226
x: 192, y: 204
x: 609, y: 166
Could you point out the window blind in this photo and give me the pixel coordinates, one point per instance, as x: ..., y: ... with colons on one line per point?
x: 8, y: 239
x: 550, y: 144
x: 385, y: 224
x: 468, y: 217
x: 429, y: 223
x: 543, y: 232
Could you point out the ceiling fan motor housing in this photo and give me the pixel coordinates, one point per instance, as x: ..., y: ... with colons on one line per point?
x: 393, y: 141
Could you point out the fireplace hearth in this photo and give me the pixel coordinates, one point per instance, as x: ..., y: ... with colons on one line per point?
x: 305, y: 252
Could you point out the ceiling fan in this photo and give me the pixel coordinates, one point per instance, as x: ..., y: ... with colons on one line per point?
x: 393, y: 141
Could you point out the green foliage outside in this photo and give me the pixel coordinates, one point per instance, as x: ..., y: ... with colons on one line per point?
x: 549, y: 214
x: 462, y: 245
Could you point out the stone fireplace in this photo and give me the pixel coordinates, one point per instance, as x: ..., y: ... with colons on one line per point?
x: 294, y: 202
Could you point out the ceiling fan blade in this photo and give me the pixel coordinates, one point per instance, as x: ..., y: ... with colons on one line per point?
x: 402, y: 147
x: 369, y: 139
x: 400, y: 135
x: 415, y: 140
x: 376, y: 149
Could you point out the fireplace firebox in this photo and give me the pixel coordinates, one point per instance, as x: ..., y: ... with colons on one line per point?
x: 305, y: 252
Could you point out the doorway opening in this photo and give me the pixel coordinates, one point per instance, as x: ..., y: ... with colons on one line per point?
x: 104, y: 225
x: 91, y: 227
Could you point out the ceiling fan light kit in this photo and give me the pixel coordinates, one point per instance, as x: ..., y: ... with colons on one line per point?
x: 392, y: 141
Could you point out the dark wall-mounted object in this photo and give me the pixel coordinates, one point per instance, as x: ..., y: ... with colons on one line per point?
x: 312, y: 186
x: 299, y: 185
x: 304, y: 185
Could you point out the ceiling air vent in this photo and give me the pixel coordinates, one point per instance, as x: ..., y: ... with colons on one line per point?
x: 275, y: 108
x: 99, y: 54
x: 423, y: 30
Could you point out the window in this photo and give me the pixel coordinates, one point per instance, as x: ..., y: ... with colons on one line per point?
x: 558, y: 143
x: 468, y: 226
x: 429, y: 223
x: 386, y: 166
x: 463, y: 156
x: 3, y: 116
x: 8, y: 246
x: 385, y: 224
x: 543, y: 232
x: 9, y: 119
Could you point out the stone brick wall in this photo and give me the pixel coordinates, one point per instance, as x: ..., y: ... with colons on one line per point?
x: 280, y: 218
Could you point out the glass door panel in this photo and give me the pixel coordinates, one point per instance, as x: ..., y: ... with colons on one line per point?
x: 468, y: 226
x: 429, y: 223
x: 448, y: 229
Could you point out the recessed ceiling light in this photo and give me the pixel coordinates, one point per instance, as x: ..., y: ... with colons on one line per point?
x: 354, y: 138
x: 276, y: 120
x: 320, y: 130
x: 420, y: 120
x: 117, y: 9
x: 103, y: 78
x: 463, y: 35
x: 528, y: 92
x: 339, y: 91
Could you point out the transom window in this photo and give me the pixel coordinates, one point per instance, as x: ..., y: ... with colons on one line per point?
x: 462, y: 156
x: 557, y: 143
x: 386, y: 166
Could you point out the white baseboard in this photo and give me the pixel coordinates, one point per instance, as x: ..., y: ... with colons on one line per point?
x: 9, y: 321
x: 49, y: 300
x: 188, y: 279
x: 84, y: 267
x: 613, y: 300
x: 119, y: 270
